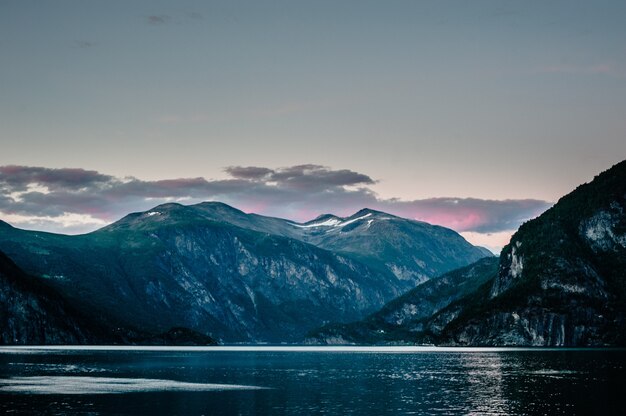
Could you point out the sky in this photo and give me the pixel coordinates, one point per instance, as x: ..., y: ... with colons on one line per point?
x: 473, y: 115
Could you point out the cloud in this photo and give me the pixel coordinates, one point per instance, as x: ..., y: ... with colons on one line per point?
x: 70, y: 223
x: 470, y: 214
x: 17, y: 178
x: 79, y: 200
x: 301, y: 176
x: 491, y: 241
x: 248, y: 172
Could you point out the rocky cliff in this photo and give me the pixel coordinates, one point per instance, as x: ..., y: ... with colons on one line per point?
x: 561, y: 281
x: 33, y: 313
x: 562, y: 278
x: 410, y: 318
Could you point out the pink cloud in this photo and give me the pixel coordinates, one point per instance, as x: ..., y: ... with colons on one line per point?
x: 458, y: 220
x: 299, y: 193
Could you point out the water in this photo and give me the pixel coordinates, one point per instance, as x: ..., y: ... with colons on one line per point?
x: 303, y: 381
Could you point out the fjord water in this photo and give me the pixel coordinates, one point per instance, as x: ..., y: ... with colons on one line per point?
x: 287, y: 381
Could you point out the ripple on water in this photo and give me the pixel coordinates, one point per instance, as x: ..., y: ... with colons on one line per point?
x: 106, y: 385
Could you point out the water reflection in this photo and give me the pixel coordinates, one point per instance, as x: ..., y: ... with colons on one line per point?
x: 105, y: 385
x: 483, y: 374
x: 359, y: 382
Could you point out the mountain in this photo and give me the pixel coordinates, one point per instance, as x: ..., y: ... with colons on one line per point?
x: 413, y: 251
x: 561, y: 281
x: 408, y: 318
x: 34, y: 313
x: 235, y: 276
x: 562, y: 278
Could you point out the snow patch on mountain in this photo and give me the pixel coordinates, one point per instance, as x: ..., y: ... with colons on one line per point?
x: 331, y: 222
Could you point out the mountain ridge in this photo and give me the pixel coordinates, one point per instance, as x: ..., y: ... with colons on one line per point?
x: 407, y: 319
x: 230, y: 275
x: 561, y: 281
x: 336, y: 236
x: 562, y: 278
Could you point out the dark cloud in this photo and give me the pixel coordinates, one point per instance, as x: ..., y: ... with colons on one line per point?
x: 17, y: 178
x: 316, y: 176
x: 301, y: 176
x: 299, y: 192
x: 248, y: 172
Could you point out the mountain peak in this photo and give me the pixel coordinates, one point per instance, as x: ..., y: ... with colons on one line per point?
x: 325, y: 219
x: 160, y: 214
x: 167, y: 210
x: 168, y: 206
x: 330, y: 220
x: 216, y: 205
x: 369, y: 212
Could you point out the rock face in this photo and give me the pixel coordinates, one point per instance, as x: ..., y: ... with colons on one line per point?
x: 33, y: 313
x: 562, y: 278
x: 561, y: 281
x: 412, y: 251
x: 413, y: 317
x: 233, y: 276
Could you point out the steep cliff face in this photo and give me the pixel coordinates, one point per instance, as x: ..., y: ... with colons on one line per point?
x: 562, y: 278
x: 410, y: 318
x: 32, y: 313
